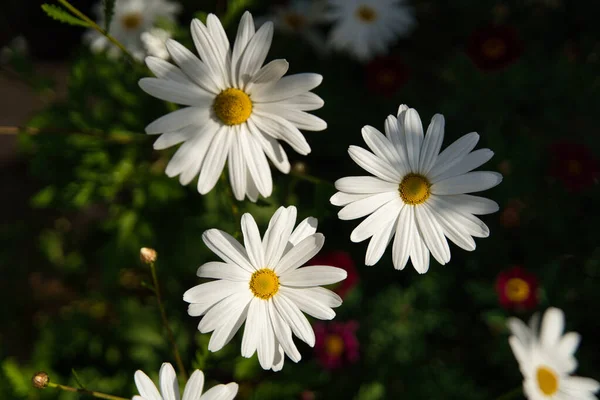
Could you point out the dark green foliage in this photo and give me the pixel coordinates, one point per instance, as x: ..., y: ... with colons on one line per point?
x: 60, y: 14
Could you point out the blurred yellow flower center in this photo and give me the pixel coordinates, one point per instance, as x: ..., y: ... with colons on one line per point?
x: 366, y: 14
x: 494, y: 48
x: 517, y: 289
x: 233, y: 106
x: 294, y: 21
x: 264, y: 283
x: 547, y: 381
x: 414, y: 189
x: 131, y: 21
x: 334, y: 345
x: 574, y: 167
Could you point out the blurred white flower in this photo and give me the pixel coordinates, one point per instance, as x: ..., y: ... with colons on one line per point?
x: 155, y: 42
x: 17, y: 45
x: 169, y: 387
x: 417, y: 194
x: 547, y: 360
x: 131, y: 18
x: 366, y: 28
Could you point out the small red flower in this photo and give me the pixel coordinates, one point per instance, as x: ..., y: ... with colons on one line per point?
x: 385, y: 75
x: 339, y: 259
x: 336, y: 343
x: 494, y: 47
x: 574, y: 165
x: 517, y: 289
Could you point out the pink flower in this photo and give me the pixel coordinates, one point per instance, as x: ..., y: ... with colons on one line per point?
x: 336, y: 343
x: 339, y: 259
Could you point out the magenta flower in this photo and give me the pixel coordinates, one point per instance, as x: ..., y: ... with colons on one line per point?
x: 336, y: 343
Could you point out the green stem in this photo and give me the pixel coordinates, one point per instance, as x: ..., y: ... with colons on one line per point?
x: 310, y: 178
x: 85, y: 391
x: 512, y: 394
x: 165, y: 322
x: 94, y: 25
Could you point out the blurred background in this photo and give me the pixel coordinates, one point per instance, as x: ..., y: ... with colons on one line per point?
x: 83, y: 190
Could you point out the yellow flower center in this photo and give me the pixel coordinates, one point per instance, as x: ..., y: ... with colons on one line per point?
x: 294, y: 21
x: 233, y: 106
x: 131, y: 21
x: 494, y: 48
x: 334, y: 345
x: 264, y: 283
x: 366, y: 14
x: 574, y: 167
x: 547, y: 381
x: 517, y: 289
x: 414, y: 189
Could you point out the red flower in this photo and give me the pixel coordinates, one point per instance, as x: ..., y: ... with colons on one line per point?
x: 494, y: 47
x: 336, y: 343
x: 342, y: 260
x: 385, y: 75
x: 574, y: 165
x: 517, y: 289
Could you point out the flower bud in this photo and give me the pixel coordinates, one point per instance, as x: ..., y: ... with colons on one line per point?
x: 40, y: 380
x: 147, y: 255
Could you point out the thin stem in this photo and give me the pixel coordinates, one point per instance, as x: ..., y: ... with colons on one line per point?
x: 310, y: 178
x: 163, y: 315
x: 511, y: 395
x: 85, y: 391
x: 94, y: 25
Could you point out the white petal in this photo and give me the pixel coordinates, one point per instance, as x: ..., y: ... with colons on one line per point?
x: 313, y: 276
x: 413, y: 131
x: 230, y: 308
x: 468, y: 163
x: 360, y: 208
x: 419, y: 253
x: 379, y: 242
x: 375, y: 165
x: 192, y: 151
x: 170, y: 139
x: 454, y: 153
x: 221, y: 392
x: 304, y: 102
x: 222, y: 46
x: 322, y: 295
x: 237, y: 166
x: 364, y: 184
x: 300, y: 119
x: 194, y: 386
x: 221, y: 270
x: 308, y: 304
x: 278, y: 234
x: 256, y: 52
x: 452, y: 230
x: 432, y: 233
x: 209, y: 53
x: 404, y: 228
x: 205, y: 295
x: 292, y: 315
x: 579, y: 384
x: 394, y: 130
x: 252, y: 241
x: 466, y: 203
x: 244, y: 34
x: 342, y: 199
x: 227, y: 248
x: 280, y: 128
x: 432, y: 143
x: 463, y: 221
x: 168, y: 382
x: 304, y: 229
x: 165, y: 70
x: 468, y: 183
x: 272, y: 149
x: 176, y: 92
x: 215, y: 160
x: 377, y: 221
x: 289, y: 86
x: 256, y: 161
x: 266, y: 341
x: 273, y: 71
x: 569, y: 343
x: 193, y: 68
x: 383, y: 148
x: 283, y: 333
x: 252, y: 329
x: 231, y: 323
x: 553, y: 325
x: 146, y: 387
x: 300, y: 254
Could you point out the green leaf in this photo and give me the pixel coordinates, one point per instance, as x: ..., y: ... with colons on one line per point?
x: 109, y: 10
x: 371, y: 391
x: 60, y: 14
x: 19, y: 383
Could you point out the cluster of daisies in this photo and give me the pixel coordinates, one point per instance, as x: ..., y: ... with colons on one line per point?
x: 237, y: 112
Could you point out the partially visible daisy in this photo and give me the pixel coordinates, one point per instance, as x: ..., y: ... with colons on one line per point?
x: 301, y: 17
x: 366, y: 28
x: 547, y: 360
x: 574, y: 164
x: 237, y: 110
x: 155, y: 42
x: 336, y: 344
x: 517, y: 289
x: 130, y: 19
x: 169, y: 387
x: 494, y: 47
x: 262, y: 284
x: 417, y: 194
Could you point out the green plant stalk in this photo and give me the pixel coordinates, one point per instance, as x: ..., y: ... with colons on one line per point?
x: 94, y: 25
x: 85, y: 391
x: 165, y: 322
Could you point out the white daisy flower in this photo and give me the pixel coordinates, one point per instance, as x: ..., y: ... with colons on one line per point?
x: 366, y: 28
x: 169, y: 388
x: 261, y: 283
x: 301, y: 17
x: 237, y: 110
x: 547, y: 361
x: 417, y: 193
x: 130, y: 19
x: 155, y: 42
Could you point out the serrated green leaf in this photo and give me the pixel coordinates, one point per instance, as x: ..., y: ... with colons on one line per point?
x: 109, y: 10
x: 60, y: 14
